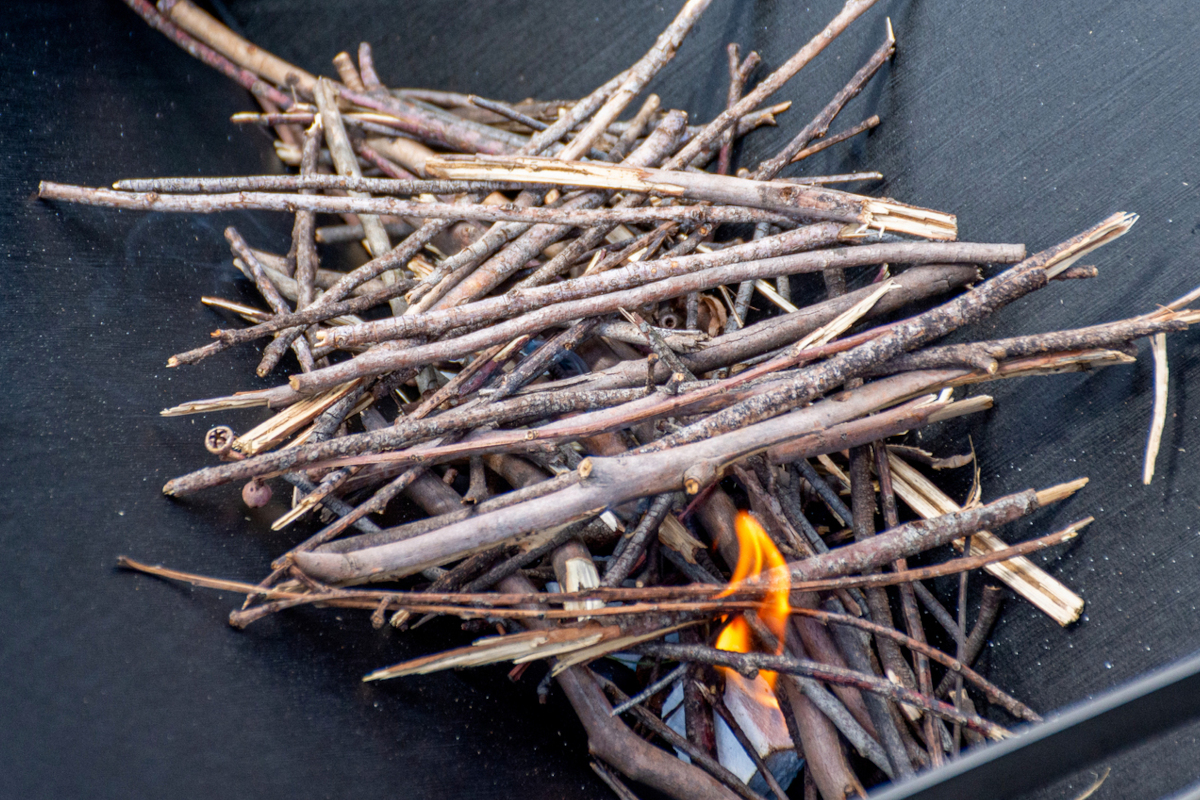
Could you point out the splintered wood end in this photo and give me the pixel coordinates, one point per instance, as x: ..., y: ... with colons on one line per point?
x: 1060, y: 492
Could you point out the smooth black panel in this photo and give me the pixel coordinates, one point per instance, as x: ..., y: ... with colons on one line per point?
x: 1029, y: 120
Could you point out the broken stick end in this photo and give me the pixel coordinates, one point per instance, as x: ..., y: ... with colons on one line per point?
x: 1060, y: 492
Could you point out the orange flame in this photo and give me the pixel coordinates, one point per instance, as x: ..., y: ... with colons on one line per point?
x: 757, y: 554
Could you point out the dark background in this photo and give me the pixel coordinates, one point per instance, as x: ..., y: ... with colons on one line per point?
x: 1030, y: 120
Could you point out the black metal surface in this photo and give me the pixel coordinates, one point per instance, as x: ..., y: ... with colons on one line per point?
x: 1029, y: 120
x: 1070, y: 740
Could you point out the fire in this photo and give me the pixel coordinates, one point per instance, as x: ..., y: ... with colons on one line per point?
x: 757, y: 554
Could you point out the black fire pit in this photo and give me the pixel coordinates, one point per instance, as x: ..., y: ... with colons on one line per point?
x: 1030, y: 121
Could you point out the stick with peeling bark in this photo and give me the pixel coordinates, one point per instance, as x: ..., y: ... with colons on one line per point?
x: 785, y: 198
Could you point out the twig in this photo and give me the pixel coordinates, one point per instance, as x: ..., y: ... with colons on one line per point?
x: 208, y: 30
x: 660, y: 729
x: 749, y: 663
x: 639, y: 75
x: 651, y: 690
x: 610, y: 778
x: 866, y: 125
x: 989, y: 609
x: 770, y: 168
x: 203, y: 52
x: 273, y: 298
x: 633, y: 544
x: 769, y: 85
x: 1159, y: 417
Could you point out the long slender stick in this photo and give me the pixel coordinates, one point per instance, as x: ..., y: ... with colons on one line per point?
x: 639, y: 75
x: 268, y: 201
x: 208, y: 30
x: 659, y: 598
x: 772, y: 83
x: 770, y: 168
x: 203, y: 52
x: 750, y: 662
x: 271, y: 295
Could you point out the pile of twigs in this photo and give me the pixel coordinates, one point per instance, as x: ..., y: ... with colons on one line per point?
x: 560, y: 369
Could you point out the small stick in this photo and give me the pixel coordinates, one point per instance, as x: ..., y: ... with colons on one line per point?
x: 347, y: 164
x: 960, y: 642
x: 850, y: 11
x: 908, y: 601
x: 398, y: 187
x: 492, y: 603
x: 208, y: 30
x: 639, y: 75
x: 229, y: 337
x: 698, y: 723
x: 541, y: 359
x: 198, y: 50
x: 770, y: 168
x: 314, y: 314
x: 303, y: 231
x: 660, y: 347
x: 739, y: 73
x: 989, y: 609
x: 651, y: 690
x: 505, y: 110
x: 366, y: 68
x: 750, y: 663
x: 634, y: 543
x: 637, y: 126
x: 334, y: 504
x: 825, y: 762
x: 380, y: 161
x: 335, y: 234
x: 510, y: 567
x: 935, y: 607
x: 342, y: 598
x: 863, y: 518
x: 824, y: 491
x: 983, y: 355
x: 478, y: 489
x: 346, y: 70
x: 376, y: 504
x: 329, y: 484
x: 270, y: 294
x: 435, y: 126
x: 781, y: 198
x: 866, y: 125
x: 1159, y: 417
x: 613, y: 782
x: 845, y: 177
